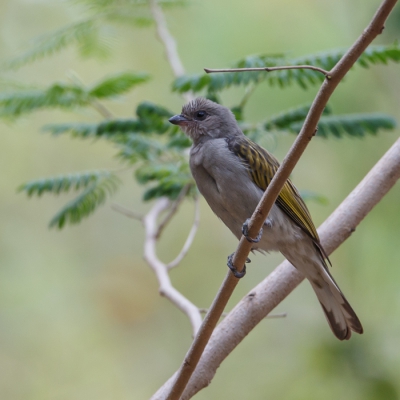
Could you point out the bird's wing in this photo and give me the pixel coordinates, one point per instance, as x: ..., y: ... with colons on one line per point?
x: 262, y: 167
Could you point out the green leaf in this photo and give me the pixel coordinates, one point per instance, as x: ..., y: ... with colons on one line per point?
x: 303, y: 77
x: 170, y: 178
x: 136, y: 147
x: 54, y: 41
x: 286, y: 118
x: 66, y: 183
x: 179, y: 141
x: 86, y: 203
x: 356, y: 125
x: 110, y: 129
x: 117, y: 84
x: 57, y: 95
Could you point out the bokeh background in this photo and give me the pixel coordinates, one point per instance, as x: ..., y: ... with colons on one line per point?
x: 80, y: 314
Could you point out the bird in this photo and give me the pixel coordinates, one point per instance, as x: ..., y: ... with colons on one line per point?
x: 232, y: 172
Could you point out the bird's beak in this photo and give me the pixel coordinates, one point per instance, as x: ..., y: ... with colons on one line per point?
x: 178, y: 119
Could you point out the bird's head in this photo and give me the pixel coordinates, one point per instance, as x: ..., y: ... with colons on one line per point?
x: 202, y: 119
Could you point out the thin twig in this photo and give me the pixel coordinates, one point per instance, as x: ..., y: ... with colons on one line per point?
x: 262, y: 210
x: 169, y: 43
x: 150, y: 220
x: 262, y: 299
x: 99, y: 107
x: 190, y: 237
x: 166, y: 289
x: 249, y: 91
x: 125, y: 211
x: 270, y: 69
x: 167, y: 39
x: 172, y: 210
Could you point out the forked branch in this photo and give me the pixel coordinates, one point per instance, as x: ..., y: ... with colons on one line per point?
x: 192, y: 358
x: 262, y: 299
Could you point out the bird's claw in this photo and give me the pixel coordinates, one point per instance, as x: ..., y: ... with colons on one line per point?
x: 245, y: 232
x: 235, y: 272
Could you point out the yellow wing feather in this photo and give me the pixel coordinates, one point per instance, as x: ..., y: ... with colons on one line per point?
x: 262, y: 167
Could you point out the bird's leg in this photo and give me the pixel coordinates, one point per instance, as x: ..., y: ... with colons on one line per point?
x: 245, y: 232
x: 235, y: 272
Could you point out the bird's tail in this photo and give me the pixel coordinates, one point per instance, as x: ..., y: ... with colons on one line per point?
x: 341, y: 317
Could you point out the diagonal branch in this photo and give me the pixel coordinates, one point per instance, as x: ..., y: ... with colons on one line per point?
x: 261, y: 300
x: 260, y: 214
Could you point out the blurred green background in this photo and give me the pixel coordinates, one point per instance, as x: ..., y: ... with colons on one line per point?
x: 80, y: 314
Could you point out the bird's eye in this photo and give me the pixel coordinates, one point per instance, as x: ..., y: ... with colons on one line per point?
x: 200, y: 115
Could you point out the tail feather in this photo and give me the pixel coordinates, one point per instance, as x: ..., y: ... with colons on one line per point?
x: 341, y: 317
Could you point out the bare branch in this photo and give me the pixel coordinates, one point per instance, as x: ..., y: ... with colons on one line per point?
x: 190, y: 237
x: 101, y: 109
x: 262, y: 299
x: 166, y: 289
x: 125, y: 211
x: 173, y: 209
x: 169, y: 43
x: 167, y: 39
x: 269, y: 69
x: 262, y: 210
x: 152, y: 231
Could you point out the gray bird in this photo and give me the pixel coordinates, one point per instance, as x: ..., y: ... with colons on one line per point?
x: 232, y: 172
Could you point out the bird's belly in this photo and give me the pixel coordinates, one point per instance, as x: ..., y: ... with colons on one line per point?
x: 279, y: 232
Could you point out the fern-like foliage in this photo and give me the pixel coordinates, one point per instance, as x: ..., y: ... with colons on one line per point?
x: 287, y: 118
x: 151, y: 118
x: 303, y: 77
x: 355, y: 125
x: 57, y: 95
x: 117, y: 84
x: 45, y: 45
x: 65, y: 183
x: 66, y: 96
x: 96, y: 185
x: 169, y: 179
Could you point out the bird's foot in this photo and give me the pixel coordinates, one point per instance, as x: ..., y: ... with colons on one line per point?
x: 268, y: 223
x: 245, y: 232
x: 235, y: 272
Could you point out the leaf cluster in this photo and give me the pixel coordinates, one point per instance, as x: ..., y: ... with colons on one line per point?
x: 95, y: 186
x: 211, y: 83
x: 66, y: 96
x: 147, y: 141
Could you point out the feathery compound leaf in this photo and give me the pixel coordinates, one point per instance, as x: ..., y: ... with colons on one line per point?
x: 286, y: 118
x: 152, y: 118
x: 62, y: 95
x: 55, y: 41
x: 117, y: 84
x: 65, y: 183
x: 57, y: 95
x: 85, y: 204
x: 76, y: 129
x: 356, y: 125
x: 170, y: 178
x: 283, y: 78
x: 135, y: 147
